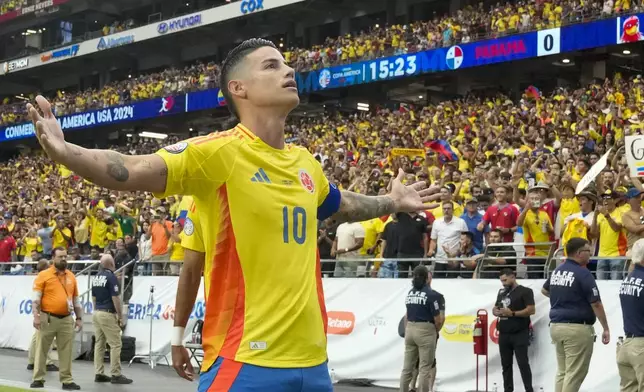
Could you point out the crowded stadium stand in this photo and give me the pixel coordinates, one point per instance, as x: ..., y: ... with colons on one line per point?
x: 506, y: 107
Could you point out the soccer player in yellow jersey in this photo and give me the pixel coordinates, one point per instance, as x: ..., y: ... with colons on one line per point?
x: 259, y: 201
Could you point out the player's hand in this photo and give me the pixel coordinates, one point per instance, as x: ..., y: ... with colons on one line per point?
x: 48, y: 131
x: 79, y: 324
x: 412, y: 198
x: 181, y: 363
x: 37, y: 323
x: 606, y: 336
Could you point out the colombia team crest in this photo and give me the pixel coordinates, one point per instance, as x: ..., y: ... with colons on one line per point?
x: 307, y: 181
x: 176, y: 148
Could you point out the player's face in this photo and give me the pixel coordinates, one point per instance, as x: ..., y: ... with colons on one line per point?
x: 268, y: 81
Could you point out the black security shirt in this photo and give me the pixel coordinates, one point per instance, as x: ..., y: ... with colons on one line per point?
x: 515, y: 299
x: 422, y: 305
x: 572, y: 291
x: 105, y: 286
x: 632, y: 300
x: 410, y: 234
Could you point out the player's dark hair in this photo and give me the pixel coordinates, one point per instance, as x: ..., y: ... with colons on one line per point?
x: 233, y: 59
x: 574, y: 244
x: 507, y: 272
x: 419, y: 277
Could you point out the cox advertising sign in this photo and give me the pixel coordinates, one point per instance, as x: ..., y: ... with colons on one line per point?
x: 250, y: 6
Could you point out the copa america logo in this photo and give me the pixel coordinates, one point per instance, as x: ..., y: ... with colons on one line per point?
x: 163, y: 28
x: 325, y: 78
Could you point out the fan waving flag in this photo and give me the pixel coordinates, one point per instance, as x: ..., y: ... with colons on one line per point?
x: 443, y: 149
x: 533, y: 92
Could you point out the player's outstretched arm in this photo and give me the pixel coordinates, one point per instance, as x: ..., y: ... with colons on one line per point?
x: 106, y: 168
x: 189, y: 282
x: 402, y: 198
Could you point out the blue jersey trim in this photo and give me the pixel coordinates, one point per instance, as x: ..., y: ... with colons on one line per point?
x: 331, y: 204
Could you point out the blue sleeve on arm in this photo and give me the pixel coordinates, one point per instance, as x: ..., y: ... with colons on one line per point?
x: 331, y: 204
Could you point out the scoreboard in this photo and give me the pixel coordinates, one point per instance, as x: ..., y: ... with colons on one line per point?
x: 534, y: 44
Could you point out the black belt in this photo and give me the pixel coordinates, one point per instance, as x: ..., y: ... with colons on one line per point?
x: 106, y: 310
x: 630, y: 335
x: 58, y: 316
x: 572, y: 322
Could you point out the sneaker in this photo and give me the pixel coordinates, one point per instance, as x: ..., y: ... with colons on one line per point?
x: 101, y: 378
x: 121, y: 380
x: 37, y: 384
x: 52, y: 368
x: 72, y: 386
x: 30, y: 366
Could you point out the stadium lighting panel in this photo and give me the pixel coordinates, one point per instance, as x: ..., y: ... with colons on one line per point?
x: 153, y: 135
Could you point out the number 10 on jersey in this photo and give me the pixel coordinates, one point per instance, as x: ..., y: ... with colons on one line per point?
x: 294, y: 225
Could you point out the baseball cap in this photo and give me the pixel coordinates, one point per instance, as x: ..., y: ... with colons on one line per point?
x: 633, y: 192
x: 472, y: 200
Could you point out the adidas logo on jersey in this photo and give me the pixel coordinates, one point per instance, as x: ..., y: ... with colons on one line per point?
x: 260, y: 176
x: 258, y: 345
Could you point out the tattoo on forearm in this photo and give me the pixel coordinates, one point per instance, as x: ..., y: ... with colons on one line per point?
x: 163, y: 172
x: 357, y: 208
x: 116, y: 166
x: 146, y: 164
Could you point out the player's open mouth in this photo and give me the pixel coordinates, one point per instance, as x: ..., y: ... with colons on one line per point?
x: 290, y: 84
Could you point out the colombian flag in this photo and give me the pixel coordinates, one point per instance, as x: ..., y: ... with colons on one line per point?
x: 443, y: 149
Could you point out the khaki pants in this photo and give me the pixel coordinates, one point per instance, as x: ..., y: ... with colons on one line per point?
x: 420, y: 345
x: 432, y: 379
x: 31, y: 359
x: 574, y: 347
x: 107, y: 329
x: 630, y: 363
x: 63, y: 330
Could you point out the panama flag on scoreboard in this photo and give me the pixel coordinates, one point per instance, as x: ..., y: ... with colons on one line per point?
x: 454, y: 57
x: 443, y: 149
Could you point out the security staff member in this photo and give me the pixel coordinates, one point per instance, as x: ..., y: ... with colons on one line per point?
x: 432, y: 372
x: 514, y: 306
x: 55, y: 298
x: 630, y: 362
x: 575, y: 305
x: 31, y: 358
x: 107, y: 322
x: 423, y: 320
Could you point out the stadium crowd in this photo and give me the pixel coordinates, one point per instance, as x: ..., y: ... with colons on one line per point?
x: 507, y: 171
x: 468, y: 24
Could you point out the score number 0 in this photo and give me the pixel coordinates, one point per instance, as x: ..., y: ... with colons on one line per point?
x: 548, y: 42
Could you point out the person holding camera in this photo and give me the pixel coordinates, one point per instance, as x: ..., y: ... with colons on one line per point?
x: 514, y: 305
x: 107, y: 322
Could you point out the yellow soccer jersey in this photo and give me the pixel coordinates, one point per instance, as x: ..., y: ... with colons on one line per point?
x: 258, y: 212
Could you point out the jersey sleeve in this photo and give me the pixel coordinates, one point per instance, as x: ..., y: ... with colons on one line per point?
x: 197, y: 166
x: 328, y: 194
x: 193, y: 238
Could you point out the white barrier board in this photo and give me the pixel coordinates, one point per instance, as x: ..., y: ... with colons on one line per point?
x: 364, y: 315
